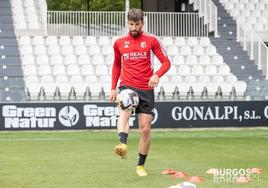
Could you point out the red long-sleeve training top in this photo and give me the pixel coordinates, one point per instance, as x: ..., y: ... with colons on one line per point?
x: 133, y: 60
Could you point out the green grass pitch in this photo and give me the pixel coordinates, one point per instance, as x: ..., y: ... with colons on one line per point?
x: 79, y: 159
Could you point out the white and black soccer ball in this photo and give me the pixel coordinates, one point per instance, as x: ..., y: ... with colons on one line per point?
x: 127, y: 99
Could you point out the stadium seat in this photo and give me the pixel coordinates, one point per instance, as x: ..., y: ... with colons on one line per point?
x: 184, y: 70
x: 28, y: 59
x: 61, y: 79
x: 107, y: 50
x: 198, y: 50
x: 240, y: 87
x: 90, y: 40
x: 26, y: 50
x: 73, y: 70
x: 167, y: 41
x: 47, y: 78
x: 217, y: 78
x: 56, y: 59
x: 197, y: 70
x: 84, y: 59
x: 104, y: 40
x: 109, y: 59
x: 67, y: 50
x: 101, y: 70
x: 204, y: 41
x: 51, y: 40
x: 94, y: 49
x: 185, y: 50
x: 38, y: 40
x: 211, y: 70
x: 24, y: 40
x: 42, y: 59
x: 70, y: 59
x: 190, y: 78
x: 191, y: 60
x: 178, y: 60
x: 30, y: 70
x: 211, y: 50
x: 58, y: 69
x: 172, y: 50
x: 97, y: 60
x: 204, y: 60
x: 65, y: 41
x: 180, y: 41
x: 53, y: 50
x: 76, y: 79
x: 78, y: 41
x: 40, y: 50
x: 87, y: 70
x: 217, y: 59
x: 90, y: 78
x: 80, y: 50
x: 44, y: 70
x: 192, y: 41
x: 224, y: 69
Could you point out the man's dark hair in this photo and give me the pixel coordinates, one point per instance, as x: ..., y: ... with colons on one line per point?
x: 135, y: 15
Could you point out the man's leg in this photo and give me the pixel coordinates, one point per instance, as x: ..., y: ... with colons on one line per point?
x: 145, y: 121
x: 122, y: 128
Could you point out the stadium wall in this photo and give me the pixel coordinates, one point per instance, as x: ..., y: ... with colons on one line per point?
x: 63, y: 116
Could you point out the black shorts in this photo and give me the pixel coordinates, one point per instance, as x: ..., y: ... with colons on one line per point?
x: 146, y: 100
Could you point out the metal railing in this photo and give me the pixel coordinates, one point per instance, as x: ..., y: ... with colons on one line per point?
x: 113, y: 23
x: 85, y: 23
x: 256, y: 48
x: 175, y: 24
x: 208, y: 10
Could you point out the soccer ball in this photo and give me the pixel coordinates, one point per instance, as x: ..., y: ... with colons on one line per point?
x: 127, y: 100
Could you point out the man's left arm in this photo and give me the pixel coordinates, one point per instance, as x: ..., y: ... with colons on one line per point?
x: 160, y: 53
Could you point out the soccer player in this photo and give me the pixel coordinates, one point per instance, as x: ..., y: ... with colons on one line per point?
x: 133, y: 65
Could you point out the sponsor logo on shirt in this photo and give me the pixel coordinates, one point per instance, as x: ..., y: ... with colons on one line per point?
x: 135, y: 55
x: 126, y: 44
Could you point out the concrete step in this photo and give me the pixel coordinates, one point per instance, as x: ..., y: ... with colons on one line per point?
x: 11, y: 60
x: 9, y: 51
x: 5, y: 12
x: 11, y: 71
x: 227, y: 35
x: 7, y: 27
x: 8, y: 41
x: 13, y: 95
x: 6, y: 19
x: 227, y: 28
x: 7, y: 34
x: 5, y: 4
x: 226, y: 20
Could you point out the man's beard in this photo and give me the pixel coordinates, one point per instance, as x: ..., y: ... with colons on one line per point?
x: 135, y: 33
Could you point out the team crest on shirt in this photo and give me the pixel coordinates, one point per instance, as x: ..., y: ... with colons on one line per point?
x: 143, y: 44
x: 126, y: 44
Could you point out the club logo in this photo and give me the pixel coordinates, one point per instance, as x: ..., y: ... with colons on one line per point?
x: 143, y: 44
x: 68, y: 116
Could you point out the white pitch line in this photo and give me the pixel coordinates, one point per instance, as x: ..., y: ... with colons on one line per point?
x: 35, y: 139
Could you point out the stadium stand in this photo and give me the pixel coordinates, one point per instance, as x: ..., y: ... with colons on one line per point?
x: 232, y: 52
x: 68, y: 61
x: 76, y: 67
x: 11, y: 75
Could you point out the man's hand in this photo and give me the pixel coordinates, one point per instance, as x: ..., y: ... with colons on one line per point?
x: 112, y: 96
x: 154, y: 80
